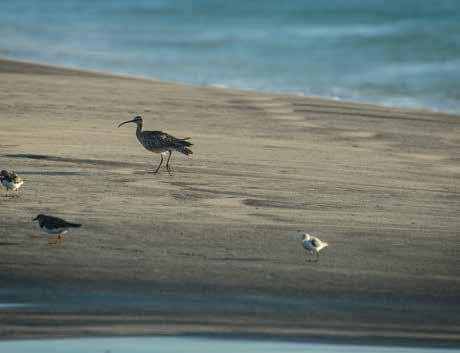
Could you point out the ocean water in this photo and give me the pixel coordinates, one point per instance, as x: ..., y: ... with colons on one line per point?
x: 403, y: 53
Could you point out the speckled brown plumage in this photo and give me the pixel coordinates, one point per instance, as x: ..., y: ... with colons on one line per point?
x: 10, y: 180
x: 160, y: 142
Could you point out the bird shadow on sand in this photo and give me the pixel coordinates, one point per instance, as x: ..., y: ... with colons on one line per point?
x: 7, y: 243
x: 10, y: 196
x: 53, y: 173
x: 240, y: 259
x: 144, y: 172
x: 86, y: 161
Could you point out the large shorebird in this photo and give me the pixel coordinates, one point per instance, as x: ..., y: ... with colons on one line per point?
x: 313, y: 245
x: 54, y: 225
x: 160, y: 142
x: 10, y: 180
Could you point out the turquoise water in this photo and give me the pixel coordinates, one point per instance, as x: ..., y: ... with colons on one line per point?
x: 192, y: 345
x: 402, y: 53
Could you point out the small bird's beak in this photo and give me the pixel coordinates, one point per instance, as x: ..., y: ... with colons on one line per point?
x: 129, y: 121
x: 35, y: 219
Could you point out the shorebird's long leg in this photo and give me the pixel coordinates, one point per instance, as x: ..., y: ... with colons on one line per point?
x: 168, y: 168
x: 317, y: 256
x: 159, y: 165
x: 56, y: 240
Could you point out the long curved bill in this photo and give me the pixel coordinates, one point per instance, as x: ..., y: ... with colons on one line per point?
x: 129, y: 121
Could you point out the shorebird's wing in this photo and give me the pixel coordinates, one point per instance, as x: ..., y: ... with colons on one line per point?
x: 318, y: 244
x: 161, y: 139
x: 55, y: 222
x: 16, y: 178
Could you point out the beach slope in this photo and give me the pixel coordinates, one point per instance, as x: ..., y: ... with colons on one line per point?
x: 215, y: 246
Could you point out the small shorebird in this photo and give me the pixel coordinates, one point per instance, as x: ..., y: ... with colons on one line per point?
x: 160, y: 142
x: 54, y: 225
x: 10, y: 180
x: 313, y: 245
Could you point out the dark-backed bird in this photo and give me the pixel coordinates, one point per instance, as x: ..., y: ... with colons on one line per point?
x: 313, y: 245
x: 54, y: 225
x: 160, y: 142
x: 10, y: 180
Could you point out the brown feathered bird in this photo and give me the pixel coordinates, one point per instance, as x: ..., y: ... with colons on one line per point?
x: 160, y: 142
x: 10, y: 180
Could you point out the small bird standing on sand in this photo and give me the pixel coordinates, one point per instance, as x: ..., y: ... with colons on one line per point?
x: 10, y: 180
x: 160, y: 142
x: 313, y: 245
x: 54, y: 225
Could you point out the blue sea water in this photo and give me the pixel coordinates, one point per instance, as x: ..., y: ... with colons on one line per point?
x: 403, y: 53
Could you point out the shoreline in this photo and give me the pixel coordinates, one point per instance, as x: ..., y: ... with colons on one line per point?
x: 324, y: 100
x: 379, y: 184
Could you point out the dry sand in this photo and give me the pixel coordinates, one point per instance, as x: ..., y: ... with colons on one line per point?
x: 380, y: 185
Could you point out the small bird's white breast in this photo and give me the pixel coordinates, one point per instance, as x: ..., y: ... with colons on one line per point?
x: 54, y: 230
x: 11, y: 185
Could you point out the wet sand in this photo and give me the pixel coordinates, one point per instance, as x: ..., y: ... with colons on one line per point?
x: 196, y: 345
x: 380, y: 185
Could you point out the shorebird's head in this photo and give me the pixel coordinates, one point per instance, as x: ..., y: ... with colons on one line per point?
x: 305, y: 236
x: 137, y: 119
x: 39, y: 217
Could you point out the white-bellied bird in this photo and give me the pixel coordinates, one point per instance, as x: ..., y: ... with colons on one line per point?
x: 313, y: 245
x: 10, y: 180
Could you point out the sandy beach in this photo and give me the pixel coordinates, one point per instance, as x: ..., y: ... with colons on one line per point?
x: 380, y: 185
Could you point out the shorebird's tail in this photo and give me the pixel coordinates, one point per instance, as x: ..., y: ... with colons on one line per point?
x: 184, y: 142
x: 75, y: 225
x: 184, y: 150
